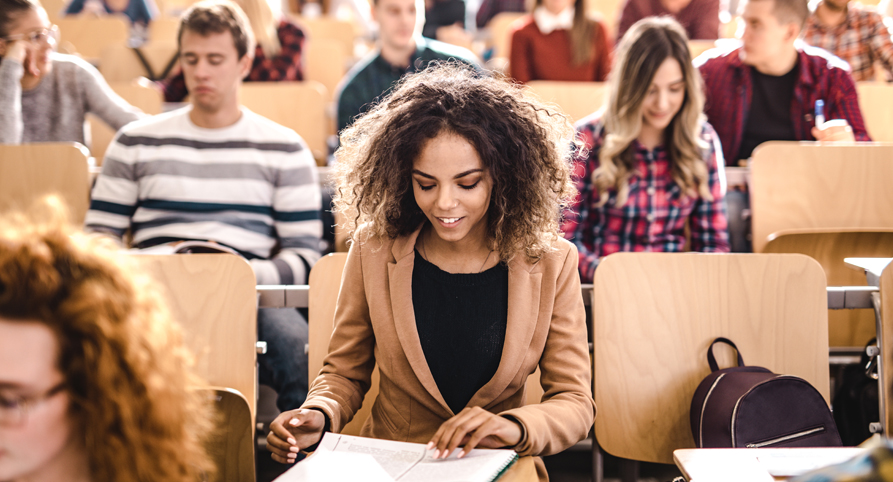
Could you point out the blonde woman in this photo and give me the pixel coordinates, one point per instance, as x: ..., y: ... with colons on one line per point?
x: 96, y: 383
x: 277, y: 57
x: 652, y: 164
x: 558, y: 41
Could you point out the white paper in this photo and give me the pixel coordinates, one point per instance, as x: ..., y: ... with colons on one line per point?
x: 477, y: 465
x: 789, y: 464
x: 394, y: 457
x: 336, y: 467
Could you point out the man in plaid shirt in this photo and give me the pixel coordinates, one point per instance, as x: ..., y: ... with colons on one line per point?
x: 767, y: 88
x: 854, y: 33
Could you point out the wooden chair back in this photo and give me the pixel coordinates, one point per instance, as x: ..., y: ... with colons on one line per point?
x: 139, y: 93
x: 30, y: 171
x: 886, y: 336
x: 325, y: 63
x: 214, y: 298
x: 325, y: 285
x: 308, y: 119
x: 655, y: 315
x: 576, y: 99
x: 232, y: 446
x: 697, y: 47
x: 500, y: 32
x: 119, y: 63
x: 805, y: 185
x: 164, y: 29
x: 609, y: 11
x: 847, y: 328
x: 88, y: 36
x: 341, y: 31
x: 875, y: 99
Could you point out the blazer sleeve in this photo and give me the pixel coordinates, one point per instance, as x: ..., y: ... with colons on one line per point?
x: 567, y: 410
x: 346, y: 374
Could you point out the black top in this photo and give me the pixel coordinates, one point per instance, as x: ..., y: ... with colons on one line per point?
x: 461, y: 320
x: 770, y: 110
x: 441, y: 14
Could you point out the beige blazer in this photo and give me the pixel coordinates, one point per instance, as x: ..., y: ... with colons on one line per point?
x: 375, y: 323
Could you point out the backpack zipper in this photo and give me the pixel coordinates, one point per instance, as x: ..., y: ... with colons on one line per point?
x: 704, y: 407
x: 735, y: 411
x: 786, y: 438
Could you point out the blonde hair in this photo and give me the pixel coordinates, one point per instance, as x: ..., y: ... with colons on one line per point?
x: 646, y: 45
x: 126, y: 368
x: 264, y: 24
x: 524, y: 144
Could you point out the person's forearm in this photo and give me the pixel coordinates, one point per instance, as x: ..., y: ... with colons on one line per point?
x: 11, y: 124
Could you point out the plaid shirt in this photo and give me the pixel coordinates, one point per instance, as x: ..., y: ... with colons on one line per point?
x: 287, y: 65
x: 728, y: 87
x: 372, y: 78
x: 860, y: 40
x: 656, y: 214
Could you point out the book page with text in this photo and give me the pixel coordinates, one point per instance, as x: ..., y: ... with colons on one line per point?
x: 477, y: 465
x: 394, y: 457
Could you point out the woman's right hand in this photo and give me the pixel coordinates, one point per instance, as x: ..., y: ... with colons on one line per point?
x: 293, y: 431
x: 19, y: 51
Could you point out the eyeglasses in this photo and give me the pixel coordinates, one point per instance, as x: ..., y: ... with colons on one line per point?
x: 49, y: 35
x: 14, y: 411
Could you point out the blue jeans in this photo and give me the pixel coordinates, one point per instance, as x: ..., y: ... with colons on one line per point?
x: 738, y: 212
x: 284, y: 366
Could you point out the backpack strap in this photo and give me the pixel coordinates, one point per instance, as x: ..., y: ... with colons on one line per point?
x: 149, y: 71
x: 712, y: 359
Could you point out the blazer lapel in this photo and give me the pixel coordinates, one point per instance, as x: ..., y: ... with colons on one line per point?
x: 400, y: 283
x: 523, y: 309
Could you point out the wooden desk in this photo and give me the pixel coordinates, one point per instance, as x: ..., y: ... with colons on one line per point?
x: 873, y: 268
x: 753, y: 465
x: 524, y: 470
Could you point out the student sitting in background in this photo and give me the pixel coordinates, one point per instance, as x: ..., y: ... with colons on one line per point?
x: 653, y: 164
x: 277, y: 56
x: 95, y: 381
x: 215, y: 171
x: 401, y: 50
x: 767, y: 89
x: 699, y: 18
x: 44, y: 95
x: 558, y: 41
x: 137, y: 11
x: 852, y: 32
x: 458, y: 285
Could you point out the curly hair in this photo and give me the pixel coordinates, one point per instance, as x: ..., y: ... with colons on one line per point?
x: 524, y: 144
x: 124, y: 362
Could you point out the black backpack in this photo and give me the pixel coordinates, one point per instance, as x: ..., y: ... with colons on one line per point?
x: 747, y: 406
x: 856, y: 401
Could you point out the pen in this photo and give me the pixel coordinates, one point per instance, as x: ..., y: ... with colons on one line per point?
x: 819, y: 112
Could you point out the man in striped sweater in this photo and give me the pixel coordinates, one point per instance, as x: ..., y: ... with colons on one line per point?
x: 215, y: 171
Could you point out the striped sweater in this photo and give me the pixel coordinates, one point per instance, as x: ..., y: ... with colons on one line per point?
x: 252, y: 186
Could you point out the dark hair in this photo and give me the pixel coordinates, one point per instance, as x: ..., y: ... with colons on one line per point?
x: 10, y: 10
x: 524, y: 144
x: 218, y: 16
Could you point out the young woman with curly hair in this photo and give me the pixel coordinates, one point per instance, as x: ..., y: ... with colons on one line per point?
x: 652, y: 166
x: 95, y: 381
x: 457, y: 284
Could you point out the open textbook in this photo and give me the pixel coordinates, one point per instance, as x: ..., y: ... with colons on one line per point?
x: 345, y: 457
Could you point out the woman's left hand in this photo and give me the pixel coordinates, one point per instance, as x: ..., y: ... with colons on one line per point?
x: 474, y: 426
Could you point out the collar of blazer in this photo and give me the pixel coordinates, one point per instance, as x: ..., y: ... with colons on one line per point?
x: 523, y: 311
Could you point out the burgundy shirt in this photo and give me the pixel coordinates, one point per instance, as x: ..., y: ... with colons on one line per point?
x: 535, y: 56
x: 700, y: 18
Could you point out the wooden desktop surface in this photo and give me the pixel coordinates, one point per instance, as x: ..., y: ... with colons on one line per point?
x: 740, y: 465
x: 524, y: 470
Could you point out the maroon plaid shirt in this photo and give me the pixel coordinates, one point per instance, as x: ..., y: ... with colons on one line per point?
x: 860, y: 40
x: 656, y: 214
x: 727, y: 84
x: 287, y: 65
